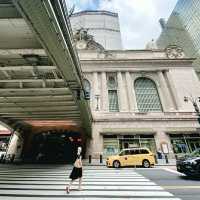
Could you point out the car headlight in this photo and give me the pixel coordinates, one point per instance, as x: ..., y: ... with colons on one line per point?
x: 191, y: 162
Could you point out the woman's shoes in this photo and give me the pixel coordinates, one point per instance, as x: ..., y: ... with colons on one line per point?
x: 67, y: 190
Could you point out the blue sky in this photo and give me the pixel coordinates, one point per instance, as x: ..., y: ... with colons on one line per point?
x: 138, y: 18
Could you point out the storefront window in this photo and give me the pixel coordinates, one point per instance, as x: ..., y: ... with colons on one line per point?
x: 183, y: 143
x: 115, y: 145
x: 111, y: 146
x: 179, y: 146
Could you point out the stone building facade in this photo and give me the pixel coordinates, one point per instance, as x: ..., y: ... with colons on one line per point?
x: 137, y: 98
x: 145, y: 105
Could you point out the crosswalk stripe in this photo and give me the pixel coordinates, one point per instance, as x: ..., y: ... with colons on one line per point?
x: 67, y: 179
x: 92, y: 198
x: 89, y: 193
x: 91, y: 187
x: 98, y: 184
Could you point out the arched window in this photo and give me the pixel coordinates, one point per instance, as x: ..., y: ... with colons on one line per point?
x: 147, y: 95
x: 87, y: 87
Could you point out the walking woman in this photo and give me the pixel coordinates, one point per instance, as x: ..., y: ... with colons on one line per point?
x: 76, y: 171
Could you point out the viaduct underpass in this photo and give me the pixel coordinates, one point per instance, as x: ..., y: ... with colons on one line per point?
x: 42, y: 97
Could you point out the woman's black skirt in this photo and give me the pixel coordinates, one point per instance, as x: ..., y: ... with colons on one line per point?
x: 76, y: 173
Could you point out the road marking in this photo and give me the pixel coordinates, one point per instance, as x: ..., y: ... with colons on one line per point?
x: 93, y: 198
x: 98, y: 184
x: 90, y: 187
x: 174, y: 187
x: 173, y: 171
x: 86, y: 193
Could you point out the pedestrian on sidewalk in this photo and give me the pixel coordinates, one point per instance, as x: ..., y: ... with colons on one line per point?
x: 76, y: 171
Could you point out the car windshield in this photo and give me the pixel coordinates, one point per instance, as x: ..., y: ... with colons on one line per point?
x: 195, y: 153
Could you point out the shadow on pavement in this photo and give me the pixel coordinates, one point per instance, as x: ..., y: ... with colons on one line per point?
x: 193, y: 178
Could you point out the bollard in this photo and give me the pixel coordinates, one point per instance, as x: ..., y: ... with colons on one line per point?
x: 166, y: 159
x: 90, y: 159
x: 101, y: 158
x: 1, y: 159
x: 156, y: 160
x: 12, y: 157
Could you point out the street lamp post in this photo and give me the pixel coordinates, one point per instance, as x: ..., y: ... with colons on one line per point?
x: 97, y: 102
x: 194, y: 103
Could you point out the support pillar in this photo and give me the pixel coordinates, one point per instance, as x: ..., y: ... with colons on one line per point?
x: 168, y: 99
x: 122, y: 93
x: 131, y: 93
x: 16, y: 145
x: 104, y: 92
x: 95, y: 90
x: 173, y: 91
x: 163, y: 138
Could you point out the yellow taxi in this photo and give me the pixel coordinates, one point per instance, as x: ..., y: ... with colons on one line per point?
x: 132, y: 157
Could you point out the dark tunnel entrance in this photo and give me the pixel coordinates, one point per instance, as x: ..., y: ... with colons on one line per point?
x: 55, y: 146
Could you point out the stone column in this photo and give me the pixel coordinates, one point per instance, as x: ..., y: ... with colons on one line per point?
x: 123, y: 105
x: 162, y: 137
x: 95, y: 89
x: 173, y: 91
x: 168, y: 99
x: 133, y: 78
x: 16, y: 145
x: 131, y: 93
x: 96, y: 145
x: 104, y: 92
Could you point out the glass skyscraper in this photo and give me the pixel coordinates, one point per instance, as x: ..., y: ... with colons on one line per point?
x: 183, y: 28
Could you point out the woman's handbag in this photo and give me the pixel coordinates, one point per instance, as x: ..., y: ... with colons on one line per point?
x: 78, y: 163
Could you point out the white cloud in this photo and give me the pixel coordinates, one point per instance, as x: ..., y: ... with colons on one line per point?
x: 139, y: 19
x: 81, y: 4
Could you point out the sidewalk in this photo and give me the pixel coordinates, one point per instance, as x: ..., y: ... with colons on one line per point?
x: 96, y: 162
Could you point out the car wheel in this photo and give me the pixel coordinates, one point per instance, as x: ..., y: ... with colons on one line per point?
x: 146, y: 164
x: 116, y: 164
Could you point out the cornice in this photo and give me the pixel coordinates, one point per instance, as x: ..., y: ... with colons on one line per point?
x: 95, y: 12
x: 137, y: 119
x: 156, y: 60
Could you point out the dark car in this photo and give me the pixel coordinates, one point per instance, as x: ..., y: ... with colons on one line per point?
x: 190, y: 164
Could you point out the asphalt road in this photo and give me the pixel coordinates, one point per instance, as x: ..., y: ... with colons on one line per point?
x: 181, y: 186
x: 46, y: 182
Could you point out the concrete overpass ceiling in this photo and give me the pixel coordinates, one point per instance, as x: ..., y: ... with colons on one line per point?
x: 24, y: 57
x: 45, y: 24
x: 8, y: 10
x: 39, y: 68
x: 15, y: 33
x: 32, y: 89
